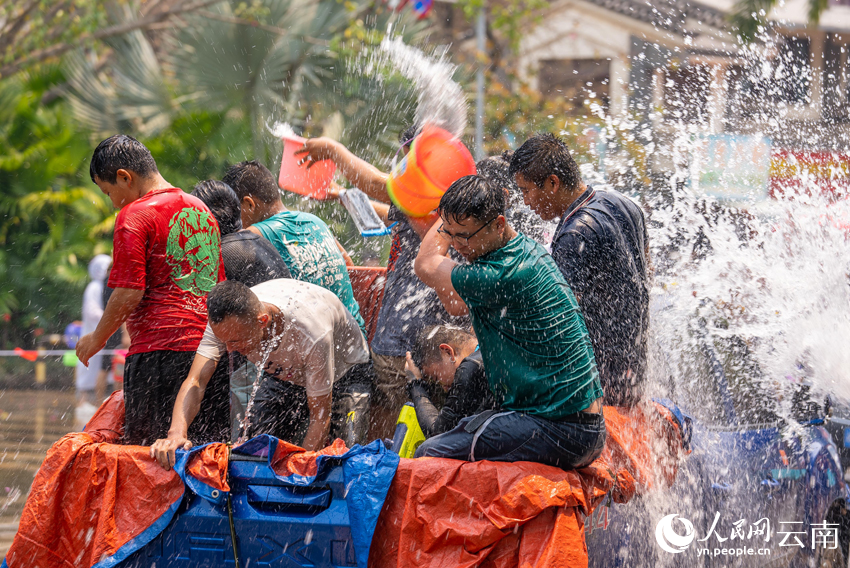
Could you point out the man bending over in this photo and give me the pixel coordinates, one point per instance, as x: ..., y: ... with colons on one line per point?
x: 535, y: 347
x: 449, y: 356
x: 310, y: 349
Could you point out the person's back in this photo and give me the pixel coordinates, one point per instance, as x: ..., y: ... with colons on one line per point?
x: 251, y: 259
x: 247, y: 257
x: 601, y: 250
x: 168, y: 243
x: 303, y: 240
x: 309, y: 250
x: 600, y: 246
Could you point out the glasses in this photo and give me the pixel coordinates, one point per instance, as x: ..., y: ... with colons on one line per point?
x: 461, y: 239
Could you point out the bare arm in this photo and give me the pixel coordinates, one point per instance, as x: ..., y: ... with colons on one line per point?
x: 121, y: 304
x: 320, y: 422
x: 435, y: 270
x: 366, y: 177
x: 421, y: 225
x: 186, y: 408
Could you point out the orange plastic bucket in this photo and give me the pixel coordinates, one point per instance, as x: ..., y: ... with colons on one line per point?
x: 435, y: 161
x: 313, y: 182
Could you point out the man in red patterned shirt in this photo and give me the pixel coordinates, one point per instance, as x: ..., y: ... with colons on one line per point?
x: 167, y: 250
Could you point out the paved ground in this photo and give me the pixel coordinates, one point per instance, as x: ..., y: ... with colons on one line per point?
x: 30, y: 421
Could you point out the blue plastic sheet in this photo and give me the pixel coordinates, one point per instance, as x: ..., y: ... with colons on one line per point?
x: 368, y: 472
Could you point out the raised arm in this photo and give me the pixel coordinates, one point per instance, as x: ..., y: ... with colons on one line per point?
x: 186, y: 408
x: 366, y: 177
x: 434, y: 268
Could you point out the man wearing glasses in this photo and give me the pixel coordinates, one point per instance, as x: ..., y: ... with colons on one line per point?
x: 535, y: 347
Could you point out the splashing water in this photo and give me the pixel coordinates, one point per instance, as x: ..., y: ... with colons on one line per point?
x: 440, y: 100
x: 281, y: 129
x: 267, y: 347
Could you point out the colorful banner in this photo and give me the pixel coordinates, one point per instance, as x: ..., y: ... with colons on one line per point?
x: 731, y: 167
x: 808, y: 173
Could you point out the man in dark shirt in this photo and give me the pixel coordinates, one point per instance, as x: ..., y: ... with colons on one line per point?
x: 449, y: 356
x: 247, y: 257
x: 601, y: 247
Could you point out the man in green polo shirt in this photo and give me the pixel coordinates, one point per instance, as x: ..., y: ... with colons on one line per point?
x: 533, y: 340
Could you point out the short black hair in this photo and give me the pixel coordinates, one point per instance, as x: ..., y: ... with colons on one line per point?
x: 121, y: 152
x: 407, y: 136
x: 231, y: 298
x: 426, y: 348
x: 251, y: 178
x: 544, y: 155
x: 496, y: 169
x: 222, y: 201
x: 473, y: 196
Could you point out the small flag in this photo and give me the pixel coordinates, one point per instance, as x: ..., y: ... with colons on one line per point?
x: 421, y: 7
x: 28, y: 355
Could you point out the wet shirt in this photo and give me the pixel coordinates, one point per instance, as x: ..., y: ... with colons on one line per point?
x: 167, y: 243
x: 319, y: 342
x: 251, y: 259
x: 309, y: 250
x: 535, y: 347
x: 600, y: 247
x: 409, y: 306
x: 468, y: 395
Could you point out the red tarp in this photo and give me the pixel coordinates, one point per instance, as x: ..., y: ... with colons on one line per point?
x: 442, y: 512
x: 368, y: 286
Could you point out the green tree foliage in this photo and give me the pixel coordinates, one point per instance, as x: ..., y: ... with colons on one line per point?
x: 52, y: 218
x: 256, y: 64
x: 750, y: 17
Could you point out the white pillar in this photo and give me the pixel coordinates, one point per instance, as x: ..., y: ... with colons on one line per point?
x: 618, y: 86
x: 717, y: 99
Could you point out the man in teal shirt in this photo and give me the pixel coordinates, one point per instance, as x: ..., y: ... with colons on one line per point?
x: 533, y: 339
x: 303, y: 240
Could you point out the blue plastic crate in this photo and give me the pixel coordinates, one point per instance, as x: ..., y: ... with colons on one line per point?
x: 276, y: 525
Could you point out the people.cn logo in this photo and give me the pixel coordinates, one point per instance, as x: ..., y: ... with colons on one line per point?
x: 669, y: 539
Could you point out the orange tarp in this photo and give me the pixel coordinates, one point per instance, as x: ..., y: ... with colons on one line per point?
x: 92, y: 496
x: 442, y: 512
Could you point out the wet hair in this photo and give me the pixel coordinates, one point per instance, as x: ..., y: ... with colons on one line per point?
x: 407, y: 136
x: 496, y: 169
x: 252, y: 179
x: 544, y: 155
x: 473, y: 196
x: 231, y: 298
x: 222, y: 201
x: 426, y: 349
x: 121, y: 152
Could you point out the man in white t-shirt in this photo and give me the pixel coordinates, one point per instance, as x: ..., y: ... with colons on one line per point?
x: 309, y: 347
